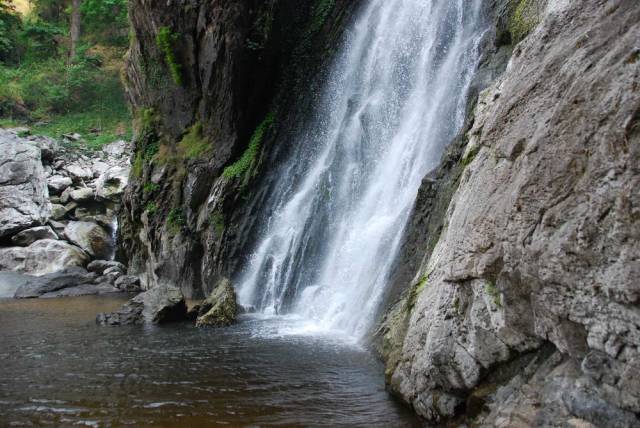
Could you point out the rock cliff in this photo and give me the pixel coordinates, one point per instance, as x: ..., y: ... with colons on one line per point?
x: 525, y: 311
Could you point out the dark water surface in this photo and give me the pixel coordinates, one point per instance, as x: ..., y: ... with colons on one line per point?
x: 59, y: 369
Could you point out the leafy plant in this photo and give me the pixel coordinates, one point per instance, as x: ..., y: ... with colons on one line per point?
x: 243, y: 164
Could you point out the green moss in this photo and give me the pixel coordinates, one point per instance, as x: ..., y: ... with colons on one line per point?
x: 165, y: 40
x: 151, y: 208
x: 524, y: 19
x: 470, y: 156
x: 150, y: 187
x: 193, y: 145
x: 320, y: 13
x: 417, y: 289
x: 492, y: 291
x: 217, y: 220
x: 456, y: 304
x: 249, y: 156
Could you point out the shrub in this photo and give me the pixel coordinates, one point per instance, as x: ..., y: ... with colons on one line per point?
x: 193, y: 145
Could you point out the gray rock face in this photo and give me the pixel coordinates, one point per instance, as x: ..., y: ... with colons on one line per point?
x: 24, y: 198
x: 541, y: 244
x: 159, y: 305
x: 82, y: 290
x: 42, y: 257
x: 29, y: 236
x: 38, y: 286
x: 90, y: 237
x: 126, y: 283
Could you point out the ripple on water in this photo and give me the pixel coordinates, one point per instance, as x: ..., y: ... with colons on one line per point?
x: 259, y: 372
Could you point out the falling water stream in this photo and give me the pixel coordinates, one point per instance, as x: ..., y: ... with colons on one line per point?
x: 394, y: 98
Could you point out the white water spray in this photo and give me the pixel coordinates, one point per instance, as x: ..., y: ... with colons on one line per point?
x: 393, y: 100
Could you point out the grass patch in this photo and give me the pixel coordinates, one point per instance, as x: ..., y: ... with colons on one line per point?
x: 193, y: 145
x: 249, y: 156
x: 175, y: 220
x: 151, y: 208
x: 150, y: 188
x: 165, y: 40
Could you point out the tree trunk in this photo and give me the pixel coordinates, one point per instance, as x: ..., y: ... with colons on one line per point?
x: 75, y: 27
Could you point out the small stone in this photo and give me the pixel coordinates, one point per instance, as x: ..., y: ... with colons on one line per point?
x: 82, y: 195
x: 58, y: 183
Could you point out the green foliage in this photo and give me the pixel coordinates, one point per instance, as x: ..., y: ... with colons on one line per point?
x: 524, y: 19
x: 165, y: 40
x: 175, y: 220
x: 150, y: 187
x: 193, y: 145
x: 321, y: 11
x: 108, y: 20
x: 151, y: 208
x: 247, y: 159
x: 10, y: 27
x: 492, y: 291
x: 39, y: 39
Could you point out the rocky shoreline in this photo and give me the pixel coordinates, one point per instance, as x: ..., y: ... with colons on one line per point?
x: 58, y: 217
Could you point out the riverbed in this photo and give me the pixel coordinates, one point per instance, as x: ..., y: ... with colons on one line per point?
x: 60, y: 369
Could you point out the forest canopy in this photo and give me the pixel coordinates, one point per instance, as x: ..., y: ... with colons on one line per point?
x: 60, y: 63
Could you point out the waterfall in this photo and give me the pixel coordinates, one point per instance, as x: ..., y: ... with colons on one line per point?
x: 393, y: 100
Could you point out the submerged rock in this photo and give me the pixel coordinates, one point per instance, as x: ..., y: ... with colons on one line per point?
x: 40, y: 285
x: 220, y: 309
x: 82, y: 290
x: 42, y: 257
x: 159, y: 305
x: 10, y: 282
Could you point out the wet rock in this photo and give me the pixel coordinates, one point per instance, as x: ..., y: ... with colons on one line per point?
x: 90, y: 237
x: 29, y: 236
x: 159, y: 305
x: 101, y: 266
x: 57, y: 184
x: 42, y: 257
x: 111, y: 184
x: 127, y: 283
x: 220, y: 308
x: 70, y: 277
x: 24, y: 198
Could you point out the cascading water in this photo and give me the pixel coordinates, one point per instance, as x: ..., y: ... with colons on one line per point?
x: 393, y: 100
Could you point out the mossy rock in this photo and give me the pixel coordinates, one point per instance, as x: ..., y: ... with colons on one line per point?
x: 220, y: 309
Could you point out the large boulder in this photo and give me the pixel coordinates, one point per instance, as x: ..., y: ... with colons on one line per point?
x: 24, y: 198
x: 40, y: 285
x: 220, y: 309
x: 42, y: 257
x: 29, y: 236
x: 111, y: 184
x: 159, y: 305
x: 83, y: 194
x: 90, y: 237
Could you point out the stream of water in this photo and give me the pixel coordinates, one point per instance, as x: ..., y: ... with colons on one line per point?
x: 395, y: 97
